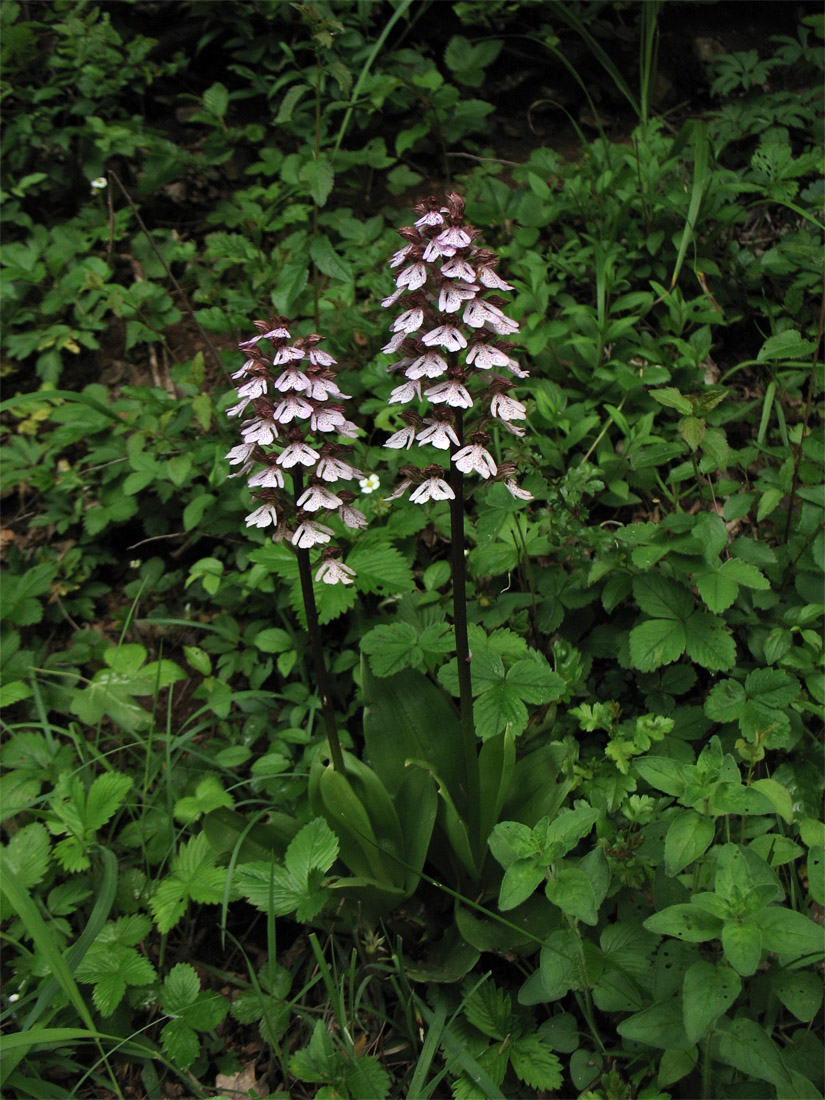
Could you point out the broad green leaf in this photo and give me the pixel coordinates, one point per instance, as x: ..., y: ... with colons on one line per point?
x: 746, y: 1046
x: 816, y: 873
x: 708, y: 991
x: 717, y: 591
x: 725, y: 701
x: 27, y: 854
x: 663, y: 774
x: 671, y: 398
x: 535, y: 681
x: 520, y: 880
x: 209, y: 795
x: 585, y: 1067
x: 790, y: 934
x: 570, y: 889
x: 685, y: 922
x: 366, y: 1077
x: 568, y: 828
x: 216, y: 100
x: 180, y: 989
x: 674, y: 1065
x: 743, y: 573
x: 490, y: 1010
x: 800, y: 991
x: 314, y: 848
x: 272, y: 640
x: 742, y: 944
x: 688, y: 837
x: 391, y: 648
x: 328, y: 261
x: 661, y: 1025
x: 181, y: 1043
x: 779, y: 797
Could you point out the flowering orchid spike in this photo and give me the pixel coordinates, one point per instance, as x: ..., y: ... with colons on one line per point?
x: 294, y: 419
x: 450, y: 341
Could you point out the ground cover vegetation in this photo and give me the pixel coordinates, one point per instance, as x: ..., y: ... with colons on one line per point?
x: 510, y: 785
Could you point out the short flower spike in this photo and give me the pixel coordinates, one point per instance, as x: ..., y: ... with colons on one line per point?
x: 294, y: 419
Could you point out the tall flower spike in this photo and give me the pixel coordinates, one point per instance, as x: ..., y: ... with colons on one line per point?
x: 291, y: 405
x: 449, y: 340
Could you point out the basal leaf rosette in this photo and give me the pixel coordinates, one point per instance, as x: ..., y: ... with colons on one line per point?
x: 293, y: 423
x: 451, y: 336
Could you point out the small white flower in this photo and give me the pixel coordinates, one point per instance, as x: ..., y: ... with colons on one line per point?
x: 447, y: 336
x: 15, y: 997
x: 394, y: 344
x: 370, y: 484
x: 240, y: 453
x: 400, y: 256
x: 273, y: 334
x: 453, y: 294
x: 456, y: 268
x: 100, y: 183
x: 435, y: 250
x: 310, y: 534
x: 402, y: 439
x: 333, y: 571
x: 439, y: 434
x: 507, y: 408
x: 434, y: 488
x: 268, y: 478
x: 517, y: 491
x: 321, y: 358
x: 391, y: 299
x: 450, y: 393
x: 453, y: 237
x: 407, y: 391
x: 432, y: 217
x: 475, y: 457
x: 352, y: 517
x: 488, y: 277
x: 287, y: 355
x: 486, y: 356
x: 292, y: 407
x: 260, y: 430
x: 298, y: 452
x: 334, y: 469
x: 412, y: 277
x: 238, y: 409
x: 255, y: 387
x: 429, y: 365
x: 410, y: 321
x: 332, y: 420
x: 244, y: 369
x: 317, y: 497
x: 293, y: 378
x: 263, y: 516
x: 500, y: 322
x: 399, y: 490
x: 324, y: 388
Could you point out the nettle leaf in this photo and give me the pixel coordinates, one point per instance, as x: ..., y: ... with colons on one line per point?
x: 315, y: 848
x: 380, y: 569
x: 742, y: 944
x: 748, y: 1047
x: 27, y: 854
x: 319, y: 176
x: 800, y: 991
x: 367, y: 1077
x: 521, y: 879
x: 791, y: 935
x: 708, y: 991
x: 569, y: 827
x: 535, y: 1064
x: 535, y: 681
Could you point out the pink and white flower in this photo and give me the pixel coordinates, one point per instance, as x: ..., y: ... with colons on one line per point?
x: 408, y: 322
x: 450, y: 393
x: 453, y: 294
x: 429, y: 365
x: 241, y: 453
x: 352, y: 517
x: 507, y: 408
x: 268, y: 478
x: 296, y: 452
x: 457, y: 268
x: 407, y: 391
x: 404, y: 438
x: 439, y: 433
x: 434, y: 488
x: 286, y: 355
x: 333, y: 571
x: 412, y: 277
x: 262, y: 429
x: 309, y: 534
x: 516, y: 490
x: 255, y: 387
x: 476, y: 458
x: 263, y: 516
x: 316, y: 497
x: 446, y: 336
x: 488, y: 277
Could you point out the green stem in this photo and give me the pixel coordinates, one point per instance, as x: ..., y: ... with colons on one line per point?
x: 316, y: 645
x: 462, y: 646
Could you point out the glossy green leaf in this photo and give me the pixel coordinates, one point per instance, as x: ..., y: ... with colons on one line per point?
x: 688, y: 837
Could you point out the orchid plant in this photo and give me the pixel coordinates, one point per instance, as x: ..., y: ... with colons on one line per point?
x: 451, y: 337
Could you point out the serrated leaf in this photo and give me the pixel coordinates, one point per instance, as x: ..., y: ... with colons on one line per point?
x: 27, y: 853
x: 490, y: 1010
x: 662, y: 598
x: 496, y: 708
x: 535, y: 681
x: 328, y: 261
x: 380, y: 569
x: 315, y: 848
x: 207, y: 1011
x: 521, y: 879
x: 708, y: 642
x: 672, y: 399
x: 725, y: 701
x: 717, y: 591
x: 180, y: 989
x: 181, y: 1043
x: 209, y: 795
x: 571, y: 890
x: 319, y: 176
x: 105, y: 796
x: 655, y: 643
x: 194, y: 876
x: 742, y: 944
x: 216, y: 100
x: 367, y: 1078
x: 391, y: 648
x: 535, y: 1064
x: 746, y: 1046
